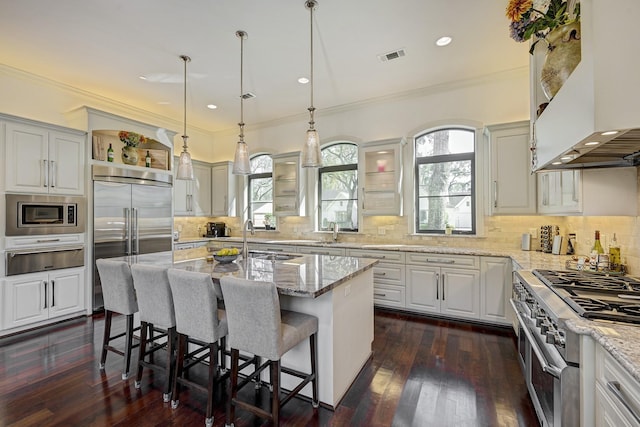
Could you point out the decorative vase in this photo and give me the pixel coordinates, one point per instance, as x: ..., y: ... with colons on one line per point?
x: 129, y: 155
x: 563, y: 55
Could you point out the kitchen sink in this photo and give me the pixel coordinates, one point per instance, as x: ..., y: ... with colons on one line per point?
x: 271, y: 256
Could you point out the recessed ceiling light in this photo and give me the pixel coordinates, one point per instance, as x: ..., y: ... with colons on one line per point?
x: 303, y: 80
x: 443, y: 41
x: 556, y: 163
x: 609, y: 132
x: 212, y: 106
x: 142, y: 77
x: 566, y: 158
x: 592, y: 143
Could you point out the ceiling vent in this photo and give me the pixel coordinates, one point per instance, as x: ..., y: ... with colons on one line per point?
x: 391, y: 55
x: 248, y: 95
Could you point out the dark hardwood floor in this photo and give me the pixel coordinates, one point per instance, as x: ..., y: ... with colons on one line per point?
x: 423, y: 372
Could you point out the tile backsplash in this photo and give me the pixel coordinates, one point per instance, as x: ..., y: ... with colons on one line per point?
x: 500, y: 232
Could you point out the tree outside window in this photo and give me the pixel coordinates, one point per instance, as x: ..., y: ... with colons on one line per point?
x: 261, y: 192
x: 338, y: 187
x: 444, y: 188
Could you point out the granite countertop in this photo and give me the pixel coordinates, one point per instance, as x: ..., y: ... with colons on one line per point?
x: 303, y: 275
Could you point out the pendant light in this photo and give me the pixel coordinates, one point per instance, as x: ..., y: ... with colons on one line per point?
x: 185, y: 167
x: 311, y: 151
x: 241, y: 165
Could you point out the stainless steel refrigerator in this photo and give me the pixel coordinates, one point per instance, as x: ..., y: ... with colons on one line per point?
x: 132, y: 215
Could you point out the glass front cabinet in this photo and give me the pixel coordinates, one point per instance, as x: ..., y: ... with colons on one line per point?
x: 381, y: 177
x: 288, y: 185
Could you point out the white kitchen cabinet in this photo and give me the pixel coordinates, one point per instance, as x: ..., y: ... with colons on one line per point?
x: 434, y: 285
x: 36, y: 298
x: 43, y: 159
x: 288, y: 185
x: 380, y: 177
x: 593, y: 192
x: 512, y: 187
x: 617, y: 396
x: 193, y: 198
x: 388, y: 276
x: 495, y: 289
x: 223, y: 189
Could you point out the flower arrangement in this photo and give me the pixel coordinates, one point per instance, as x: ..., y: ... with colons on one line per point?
x: 539, y: 17
x: 131, y: 139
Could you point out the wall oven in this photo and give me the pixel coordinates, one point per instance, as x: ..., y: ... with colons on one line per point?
x: 31, y: 214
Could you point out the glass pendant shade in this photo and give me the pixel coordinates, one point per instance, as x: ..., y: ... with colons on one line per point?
x: 185, y: 167
x: 241, y: 165
x: 311, y: 157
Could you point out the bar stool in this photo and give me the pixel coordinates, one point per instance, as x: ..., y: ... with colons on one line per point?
x: 155, y: 302
x: 258, y: 326
x: 120, y: 298
x: 198, y: 319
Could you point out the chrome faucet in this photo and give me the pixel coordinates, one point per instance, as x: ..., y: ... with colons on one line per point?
x: 335, y: 228
x: 245, y: 248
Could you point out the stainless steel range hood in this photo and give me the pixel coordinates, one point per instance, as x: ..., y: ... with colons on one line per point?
x: 594, y: 119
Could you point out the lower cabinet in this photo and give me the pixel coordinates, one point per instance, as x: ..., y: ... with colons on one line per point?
x: 495, y: 289
x: 617, y: 396
x: 388, y: 276
x: 33, y: 298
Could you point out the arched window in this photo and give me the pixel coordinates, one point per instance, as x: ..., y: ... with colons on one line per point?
x: 444, y: 187
x: 338, y: 187
x: 260, y: 192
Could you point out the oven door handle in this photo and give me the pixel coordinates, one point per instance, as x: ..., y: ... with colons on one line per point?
x: 546, y: 366
x: 12, y: 254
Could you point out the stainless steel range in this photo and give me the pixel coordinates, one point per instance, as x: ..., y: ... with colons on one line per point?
x: 549, y: 351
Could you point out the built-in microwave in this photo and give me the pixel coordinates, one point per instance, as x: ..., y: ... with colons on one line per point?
x: 34, y: 214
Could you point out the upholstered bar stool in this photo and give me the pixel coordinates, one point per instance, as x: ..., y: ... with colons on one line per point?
x: 198, y: 319
x: 258, y: 326
x: 120, y: 298
x: 155, y: 303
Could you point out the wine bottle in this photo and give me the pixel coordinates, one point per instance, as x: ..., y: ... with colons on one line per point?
x: 614, y: 254
x: 110, y: 154
x: 597, y: 246
x: 147, y: 160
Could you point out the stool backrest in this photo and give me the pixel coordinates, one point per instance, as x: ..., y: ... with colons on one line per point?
x: 117, y: 286
x: 153, y: 291
x: 196, y: 305
x: 253, y: 316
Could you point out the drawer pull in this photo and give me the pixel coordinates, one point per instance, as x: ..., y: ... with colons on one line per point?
x: 47, y: 240
x: 378, y: 294
x: 614, y: 387
x: 379, y: 274
x: 376, y: 256
x: 442, y: 261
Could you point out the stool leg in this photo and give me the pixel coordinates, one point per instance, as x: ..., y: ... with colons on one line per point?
x: 144, y: 326
x: 105, y: 339
x: 233, y: 387
x: 170, y: 367
x: 127, y: 347
x: 314, y: 369
x: 275, y: 398
x: 182, y: 340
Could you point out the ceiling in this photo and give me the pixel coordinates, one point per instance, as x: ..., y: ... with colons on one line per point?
x: 104, y: 47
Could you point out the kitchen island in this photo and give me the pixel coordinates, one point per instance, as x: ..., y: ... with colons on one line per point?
x: 337, y: 290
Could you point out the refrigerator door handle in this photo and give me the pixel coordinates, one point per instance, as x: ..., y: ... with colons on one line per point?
x: 127, y: 231
x: 135, y: 231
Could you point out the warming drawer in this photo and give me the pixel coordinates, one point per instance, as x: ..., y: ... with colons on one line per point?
x: 35, y: 260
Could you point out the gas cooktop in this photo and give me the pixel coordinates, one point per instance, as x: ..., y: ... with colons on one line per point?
x: 593, y: 296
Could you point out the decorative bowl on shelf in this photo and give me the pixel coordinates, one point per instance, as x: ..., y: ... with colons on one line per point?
x: 225, y: 258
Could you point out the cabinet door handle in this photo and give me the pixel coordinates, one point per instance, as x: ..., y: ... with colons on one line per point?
x: 226, y: 208
x: 363, y: 194
x: 545, y: 190
x: 53, y: 293
x: 52, y: 172
x: 614, y: 387
x: 442, y: 286
x: 441, y: 261
x: 382, y: 274
x: 437, y: 286
x: 495, y: 194
x: 44, y: 284
x: 378, y: 294
x: 45, y: 173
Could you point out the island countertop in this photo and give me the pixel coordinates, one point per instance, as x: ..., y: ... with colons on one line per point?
x: 302, y: 275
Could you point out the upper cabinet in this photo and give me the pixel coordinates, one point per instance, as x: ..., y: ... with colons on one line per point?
x: 600, y: 95
x: 193, y: 198
x: 43, y: 158
x: 288, y: 185
x: 223, y: 189
x: 380, y: 177
x: 512, y: 186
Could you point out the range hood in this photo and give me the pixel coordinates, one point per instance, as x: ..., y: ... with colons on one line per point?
x: 594, y: 119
